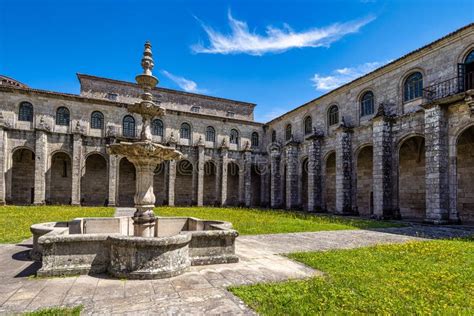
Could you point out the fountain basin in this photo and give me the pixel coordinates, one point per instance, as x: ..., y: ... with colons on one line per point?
x: 107, y: 245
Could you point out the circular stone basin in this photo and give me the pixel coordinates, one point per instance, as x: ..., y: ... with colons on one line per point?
x: 149, y: 258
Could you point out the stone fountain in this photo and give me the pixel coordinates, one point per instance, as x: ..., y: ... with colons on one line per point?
x: 144, y: 246
x: 145, y: 154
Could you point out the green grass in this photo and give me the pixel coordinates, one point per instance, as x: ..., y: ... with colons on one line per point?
x: 415, y: 278
x: 15, y: 221
x: 57, y: 311
x: 257, y: 221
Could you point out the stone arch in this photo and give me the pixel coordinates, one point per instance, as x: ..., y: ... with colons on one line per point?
x: 465, y: 174
x: 210, y: 183
x: 330, y: 182
x: 184, y: 189
x: 364, y: 179
x: 160, y: 183
x: 127, y: 183
x: 23, y: 176
x: 60, y: 178
x: 94, y: 181
x: 233, y: 171
x: 304, y: 182
x: 411, y: 177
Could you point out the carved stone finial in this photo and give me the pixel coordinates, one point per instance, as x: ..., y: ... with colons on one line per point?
x: 147, y: 60
x: 79, y: 129
x: 172, y: 140
x: 146, y: 80
x: 200, y: 142
x: 247, y: 146
x: 42, y: 125
x: 224, y: 143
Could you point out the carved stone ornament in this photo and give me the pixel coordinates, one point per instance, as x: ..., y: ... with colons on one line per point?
x: 224, y: 143
x: 200, y: 142
x: 79, y: 129
x: 42, y: 125
x: 172, y: 140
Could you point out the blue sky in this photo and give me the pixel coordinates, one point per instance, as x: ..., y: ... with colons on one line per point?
x: 278, y: 54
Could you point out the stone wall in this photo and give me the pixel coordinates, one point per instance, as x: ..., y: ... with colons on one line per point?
x: 412, y: 178
x: 94, y: 181
x: 23, y: 177
x: 365, y: 181
x: 330, y: 183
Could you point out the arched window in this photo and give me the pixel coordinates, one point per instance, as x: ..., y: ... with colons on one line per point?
x: 128, y: 126
x: 234, y: 136
x: 62, y: 116
x: 97, y: 120
x: 413, y: 86
x: 26, y: 112
x: 157, y: 127
x: 333, y: 115
x: 274, y: 136
x: 185, y: 131
x: 367, y: 104
x: 210, y: 134
x: 469, y: 58
x: 288, y: 132
x: 254, y: 140
x: 308, y: 125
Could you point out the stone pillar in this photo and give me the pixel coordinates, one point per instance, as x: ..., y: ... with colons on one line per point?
x: 247, y: 178
x: 200, y: 174
x: 275, y: 180
x: 224, y: 158
x: 315, y: 183
x: 291, y: 180
x: 3, y: 165
x: 41, y: 166
x: 171, y: 174
x: 77, y: 163
x: 171, y: 182
x: 344, y: 171
x: 437, y: 163
x: 382, y: 166
x: 113, y: 180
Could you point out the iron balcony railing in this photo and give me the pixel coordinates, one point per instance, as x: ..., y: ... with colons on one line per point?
x: 449, y: 87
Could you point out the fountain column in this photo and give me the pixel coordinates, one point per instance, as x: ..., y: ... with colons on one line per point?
x: 145, y: 154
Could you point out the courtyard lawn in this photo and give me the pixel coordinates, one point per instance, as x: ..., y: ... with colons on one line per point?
x: 15, y: 221
x: 257, y: 221
x: 434, y: 277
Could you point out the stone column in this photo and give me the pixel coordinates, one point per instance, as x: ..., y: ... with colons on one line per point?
x: 224, y: 158
x: 315, y: 184
x: 200, y: 175
x: 344, y: 171
x: 275, y: 180
x: 291, y: 155
x: 382, y: 165
x: 77, y: 163
x: 247, y: 177
x: 437, y: 163
x: 171, y: 174
x: 113, y: 179
x: 3, y: 164
x: 41, y: 166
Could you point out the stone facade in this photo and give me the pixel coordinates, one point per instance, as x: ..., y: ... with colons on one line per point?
x: 409, y: 157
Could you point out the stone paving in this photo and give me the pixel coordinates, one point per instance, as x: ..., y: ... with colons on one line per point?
x: 200, y: 291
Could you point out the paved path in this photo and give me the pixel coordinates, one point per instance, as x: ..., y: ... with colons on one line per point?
x: 200, y: 291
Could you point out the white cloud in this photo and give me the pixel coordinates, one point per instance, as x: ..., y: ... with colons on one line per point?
x: 185, y: 84
x: 343, y: 75
x: 275, y: 40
